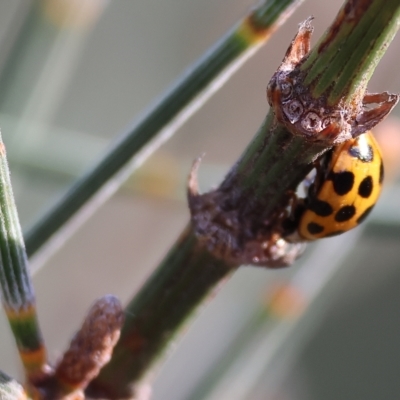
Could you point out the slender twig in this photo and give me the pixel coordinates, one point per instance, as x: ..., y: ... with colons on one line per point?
x: 161, y: 121
x: 238, y: 223
x: 16, y: 286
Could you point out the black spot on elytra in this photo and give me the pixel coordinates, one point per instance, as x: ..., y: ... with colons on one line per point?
x: 364, y: 215
x: 345, y: 213
x: 314, y: 228
x: 363, y: 154
x: 366, y: 186
x: 342, y: 182
x: 381, y: 172
x: 321, y: 208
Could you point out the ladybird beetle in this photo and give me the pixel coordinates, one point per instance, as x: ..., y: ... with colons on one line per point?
x: 344, y: 191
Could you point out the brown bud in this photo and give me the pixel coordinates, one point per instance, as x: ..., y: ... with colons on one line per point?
x: 92, y: 346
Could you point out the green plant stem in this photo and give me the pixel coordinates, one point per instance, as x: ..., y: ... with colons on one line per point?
x: 353, y: 47
x: 274, y: 163
x: 265, y: 171
x: 16, y: 286
x: 185, y: 277
x: 164, y: 118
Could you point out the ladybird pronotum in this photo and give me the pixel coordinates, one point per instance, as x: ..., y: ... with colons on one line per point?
x: 347, y: 189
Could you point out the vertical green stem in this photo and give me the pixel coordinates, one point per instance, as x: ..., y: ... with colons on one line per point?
x: 16, y: 286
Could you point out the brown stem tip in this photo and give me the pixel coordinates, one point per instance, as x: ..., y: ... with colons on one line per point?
x: 92, y: 346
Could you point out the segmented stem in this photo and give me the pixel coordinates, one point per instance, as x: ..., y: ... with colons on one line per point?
x: 16, y: 286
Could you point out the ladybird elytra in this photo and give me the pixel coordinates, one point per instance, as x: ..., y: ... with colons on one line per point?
x: 348, y: 188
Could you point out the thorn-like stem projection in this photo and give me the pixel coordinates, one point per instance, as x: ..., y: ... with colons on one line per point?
x: 237, y: 222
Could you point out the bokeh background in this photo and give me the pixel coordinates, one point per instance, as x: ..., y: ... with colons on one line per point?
x: 74, y: 74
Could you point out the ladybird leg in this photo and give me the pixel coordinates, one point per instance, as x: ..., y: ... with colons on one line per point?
x: 371, y: 116
x: 287, y: 214
x: 292, y: 198
x: 290, y: 219
x: 312, y: 183
x: 282, y: 214
x: 319, y: 176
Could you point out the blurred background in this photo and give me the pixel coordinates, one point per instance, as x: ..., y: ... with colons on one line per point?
x: 74, y: 74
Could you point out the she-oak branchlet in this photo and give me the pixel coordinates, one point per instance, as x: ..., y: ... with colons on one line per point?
x: 230, y: 221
